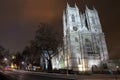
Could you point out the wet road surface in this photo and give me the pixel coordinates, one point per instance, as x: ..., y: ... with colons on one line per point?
x: 12, y: 75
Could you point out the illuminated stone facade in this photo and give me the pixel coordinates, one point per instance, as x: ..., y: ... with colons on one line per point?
x: 84, y: 41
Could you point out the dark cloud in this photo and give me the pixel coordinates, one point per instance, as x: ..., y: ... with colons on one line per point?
x: 19, y: 20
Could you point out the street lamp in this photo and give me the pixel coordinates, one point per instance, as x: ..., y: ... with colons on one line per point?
x: 23, y: 62
x: 5, y: 59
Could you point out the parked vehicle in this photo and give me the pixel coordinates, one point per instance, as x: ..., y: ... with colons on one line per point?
x: 8, y: 68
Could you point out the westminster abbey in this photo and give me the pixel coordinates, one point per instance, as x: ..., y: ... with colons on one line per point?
x: 84, y: 42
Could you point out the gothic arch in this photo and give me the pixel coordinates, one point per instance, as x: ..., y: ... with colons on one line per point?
x: 94, y: 68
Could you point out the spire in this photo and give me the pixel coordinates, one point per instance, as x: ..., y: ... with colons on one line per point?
x: 94, y: 9
x: 86, y: 10
x: 86, y: 7
x: 76, y: 6
x: 63, y: 14
x: 68, y: 5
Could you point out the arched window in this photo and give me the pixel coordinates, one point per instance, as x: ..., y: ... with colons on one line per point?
x: 88, y: 46
x: 73, y: 18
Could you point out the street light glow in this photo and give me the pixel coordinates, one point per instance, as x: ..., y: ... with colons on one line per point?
x: 5, y: 59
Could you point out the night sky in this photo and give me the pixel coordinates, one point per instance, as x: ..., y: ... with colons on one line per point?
x: 19, y: 20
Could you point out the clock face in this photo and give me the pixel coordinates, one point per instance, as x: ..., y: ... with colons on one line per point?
x: 75, y: 28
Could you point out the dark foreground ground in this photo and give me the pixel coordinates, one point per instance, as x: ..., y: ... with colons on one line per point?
x: 10, y: 75
x: 28, y: 75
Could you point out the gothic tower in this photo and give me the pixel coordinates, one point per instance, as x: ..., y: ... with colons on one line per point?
x: 84, y: 41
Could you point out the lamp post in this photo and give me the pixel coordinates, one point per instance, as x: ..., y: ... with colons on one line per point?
x: 117, y: 68
x: 5, y: 60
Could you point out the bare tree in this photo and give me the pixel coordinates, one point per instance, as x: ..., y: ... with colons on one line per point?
x: 4, y: 53
x: 47, y: 40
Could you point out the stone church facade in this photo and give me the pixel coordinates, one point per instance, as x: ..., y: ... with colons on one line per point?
x: 84, y: 42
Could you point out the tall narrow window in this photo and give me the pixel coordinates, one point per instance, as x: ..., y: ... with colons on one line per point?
x: 88, y: 46
x: 86, y: 23
x: 73, y: 18
x: 97, y: 50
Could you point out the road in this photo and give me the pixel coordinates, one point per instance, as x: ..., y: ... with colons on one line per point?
x: 28, y: 75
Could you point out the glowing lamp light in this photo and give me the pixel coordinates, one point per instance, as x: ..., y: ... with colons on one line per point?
x: 5, y: 59
x: 80, y: 67
x: 13, y: 57
x: 12, y: 66
x: 117, y: 67
x: 22, y: 62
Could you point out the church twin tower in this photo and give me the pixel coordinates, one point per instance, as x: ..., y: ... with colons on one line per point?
x: 84, y: 41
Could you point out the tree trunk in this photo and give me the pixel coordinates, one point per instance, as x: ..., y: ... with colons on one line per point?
x: 49, y: 65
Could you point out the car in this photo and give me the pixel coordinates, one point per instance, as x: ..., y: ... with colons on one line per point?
x: 8, y: 68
